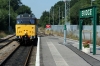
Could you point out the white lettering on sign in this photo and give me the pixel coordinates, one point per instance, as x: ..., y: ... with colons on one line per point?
x: 87, y: 12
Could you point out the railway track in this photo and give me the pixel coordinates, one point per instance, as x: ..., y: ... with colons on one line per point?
x: 19, y: 57
x: 6, y: 41
x: 7, y: 51
x: 2, y: 40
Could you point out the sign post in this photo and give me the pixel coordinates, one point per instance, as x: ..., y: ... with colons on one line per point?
x: 48, y: 28
x: 90, y: 12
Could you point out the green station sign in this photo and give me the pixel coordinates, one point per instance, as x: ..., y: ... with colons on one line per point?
x: 86, y: 12
x: 90, y: 12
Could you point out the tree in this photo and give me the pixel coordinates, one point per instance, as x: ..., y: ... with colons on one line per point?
x: 97, y: 3
x: 73, y: 2
x: 15, y: 4
x: 74, y: 12
x: 16, y: 7
x: 44, y: 19
x: 23, y: 9
x: 60, y: 4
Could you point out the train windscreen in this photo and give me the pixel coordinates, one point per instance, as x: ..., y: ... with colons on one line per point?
x: 25, y: 21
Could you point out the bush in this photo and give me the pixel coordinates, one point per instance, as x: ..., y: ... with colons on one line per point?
x: 2, y: 34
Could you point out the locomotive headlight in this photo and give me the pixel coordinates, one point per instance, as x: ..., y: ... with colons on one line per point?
x: 25, y: 33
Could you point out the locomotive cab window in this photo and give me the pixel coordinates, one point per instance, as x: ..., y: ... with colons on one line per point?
x: 32, y: 21
x: 26, y: 19
x: 18, y: 21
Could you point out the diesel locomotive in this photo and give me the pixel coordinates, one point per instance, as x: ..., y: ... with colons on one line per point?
x: 26, y: 29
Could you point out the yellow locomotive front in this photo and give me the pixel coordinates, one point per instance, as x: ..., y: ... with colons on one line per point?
x: 26, y: 29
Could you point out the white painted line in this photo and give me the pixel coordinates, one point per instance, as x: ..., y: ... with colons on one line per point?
x: 38, y: 53
x: 59, y: 60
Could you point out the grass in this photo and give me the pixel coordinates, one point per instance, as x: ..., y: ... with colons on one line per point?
x: 58, y: 33
x: 71, y: 36
x: 41, y: 29
x: 4, y: 33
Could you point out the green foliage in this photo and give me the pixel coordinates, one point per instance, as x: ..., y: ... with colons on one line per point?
x: 79, y: 5
x: 60, y: 4
x: 16, y: 7
x: 23, y: 9
x: 97, y: 3
x: 44, y: 19
x: 3, y: 18
x: 75, y: 6
x: 4, y: 4
x: 56, y: 11
x: 73, y: 2
x: 15, y: 4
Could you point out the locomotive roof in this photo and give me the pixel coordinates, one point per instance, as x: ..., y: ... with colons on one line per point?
x: 26, y: 16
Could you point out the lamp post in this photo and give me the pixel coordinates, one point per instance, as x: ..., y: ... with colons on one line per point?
x: 62, y: 17
x: 92, y: 1
x: 9, y: 16
x: 66, y: 14
x: 59, y: 15
x: 53, y: 15
x: 65, y: 25
x: 49, y: 17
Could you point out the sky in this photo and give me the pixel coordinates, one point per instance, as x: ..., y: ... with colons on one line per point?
x: 38, y: 6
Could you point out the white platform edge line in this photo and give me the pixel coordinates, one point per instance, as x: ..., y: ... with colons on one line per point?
x: 38, y: 53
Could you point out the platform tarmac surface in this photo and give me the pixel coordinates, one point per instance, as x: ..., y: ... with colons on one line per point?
x: 54, y: 53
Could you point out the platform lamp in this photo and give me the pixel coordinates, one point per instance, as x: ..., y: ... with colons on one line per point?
x: 92, y: 1
x: 66, y: 14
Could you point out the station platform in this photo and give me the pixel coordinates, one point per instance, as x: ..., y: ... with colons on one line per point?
x: 54, y: 53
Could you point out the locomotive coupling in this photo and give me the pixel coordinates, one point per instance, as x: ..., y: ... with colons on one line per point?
x: 25, y: 37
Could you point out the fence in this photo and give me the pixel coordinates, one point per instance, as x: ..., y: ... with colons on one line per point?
x: 86, y: 33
